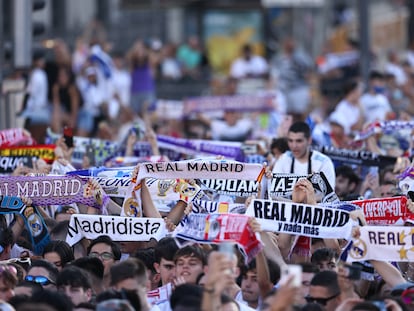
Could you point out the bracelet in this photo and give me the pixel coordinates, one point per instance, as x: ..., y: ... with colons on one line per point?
x: 209, y: 290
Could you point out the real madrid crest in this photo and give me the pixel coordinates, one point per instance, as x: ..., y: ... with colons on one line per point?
x: 34, y: 221
x: 132, y: 208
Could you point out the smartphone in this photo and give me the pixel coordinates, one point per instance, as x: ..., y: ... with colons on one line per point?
x: 68, y: 136
x: 296, y: 272
x: 353, y: 272
x: 90, y: 153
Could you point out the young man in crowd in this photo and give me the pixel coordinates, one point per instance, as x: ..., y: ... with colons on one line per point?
x: 74, y: 283
x: 347, y: 182
x: 300, y: 159
x: 164, y: 259
x: 325, y: 259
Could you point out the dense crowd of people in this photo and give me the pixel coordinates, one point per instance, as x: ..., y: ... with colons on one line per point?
x: 343, y: 154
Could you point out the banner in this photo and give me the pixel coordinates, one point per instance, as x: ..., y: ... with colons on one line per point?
x: 356, y: 157
x: 201, y: 168
x: 45, y: 152
x: 217, y: 228
x: 117, y: 187
x: 385, y: 211
x: 118, y: 228
x: 14, y: 136
x: 245, y: 103
x: 233, y: 187
x: 103, y: 171
x: 54, y: 190
x: 301, y: 219
x: 9, y: 164
x: 211, y: 207
x: 34, y: 222
x: 384, y: 243
x: 383, y: 127
x: 230, y: 150
x: 281, y: 185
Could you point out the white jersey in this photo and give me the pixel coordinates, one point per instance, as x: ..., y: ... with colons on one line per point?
x: 319, y: 163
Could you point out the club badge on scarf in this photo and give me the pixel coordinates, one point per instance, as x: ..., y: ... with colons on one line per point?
x: 55, y: 190
x: 234, y: 187
x: 217, y: 228
x: 45, y: 152
x: 385, y: 211
x: 118, y: 228
x: 33, y: 220
x: 384, y: 243
x: 302, y: 219
x: 281, y: 185
x: 406, y: 182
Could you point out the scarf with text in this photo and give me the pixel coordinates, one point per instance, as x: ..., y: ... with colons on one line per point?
x: 118, y: 228
x: 383, y: 127
x: 45, y: 152
x: 356, y: 157
x: 385, y: 211
x: 9, y: 164
x: 281, y: 185
x: 103, y: 171
x: 243, y: 103
x: 32, y: 218
x: 14, y: 136
x: 212, y: 207
x: 232, y: 187
x: 103, y: 149
x: 217, y: 228
x: 384, y: 243
x: 55, y: 190
x: 318, y: 221
x: 193, y: 147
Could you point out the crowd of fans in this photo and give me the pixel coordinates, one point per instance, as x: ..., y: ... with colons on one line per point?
x: 101, y: 93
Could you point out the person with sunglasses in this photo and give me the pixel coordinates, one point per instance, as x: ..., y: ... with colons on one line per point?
x: 43, y: 273
x: 324, y: 290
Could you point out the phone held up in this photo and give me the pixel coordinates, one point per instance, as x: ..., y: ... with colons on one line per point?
x: 68, y: 136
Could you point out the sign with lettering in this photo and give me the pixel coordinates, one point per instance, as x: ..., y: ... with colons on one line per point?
x: 118, y: 228
x: 385, y: 243
x: 301, y: 219
x: 385, y: 211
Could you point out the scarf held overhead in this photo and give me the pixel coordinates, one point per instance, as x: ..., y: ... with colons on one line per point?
x: 54, y: 190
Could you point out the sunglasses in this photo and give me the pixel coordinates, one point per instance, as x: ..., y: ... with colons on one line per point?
x: 39, y: 279
x: 103, y: 256
x: 320, y: 301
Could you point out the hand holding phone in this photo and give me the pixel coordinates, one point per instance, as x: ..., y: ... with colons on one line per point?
x: 68, y: 136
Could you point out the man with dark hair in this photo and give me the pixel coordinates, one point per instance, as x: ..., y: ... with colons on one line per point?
x: 147, y: 256
x: 347, y: 182
x: 6, y: 243
x: 189, y: 263
x: 300, y: 159
x: 374, y: 103
x: 95, y: 269
x: 324, y: 290
x: 131, y: 274
x: 74, y: 283
x: 325, y: 259
x: 164, y: 259
x: 43, y: 273
x: 107, y: 251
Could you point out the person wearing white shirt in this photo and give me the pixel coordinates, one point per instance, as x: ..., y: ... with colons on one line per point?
x: 249, y: 65
x: 36, y: 109
x: 300, y: 159
x: 375, y: 104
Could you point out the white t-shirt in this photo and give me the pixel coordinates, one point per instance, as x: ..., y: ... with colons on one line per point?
x: 346, y: 114
x: 375, y: 107
x: 319, y: 163
x: 220, y: 130
x: 241, y: 67
x: 37, y: 88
